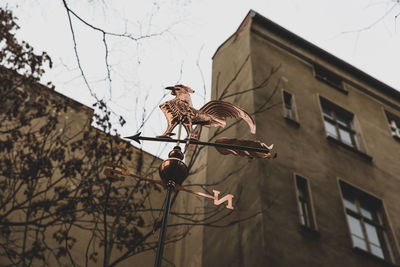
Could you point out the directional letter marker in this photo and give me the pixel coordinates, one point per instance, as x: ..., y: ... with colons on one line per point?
x: 222, y: 200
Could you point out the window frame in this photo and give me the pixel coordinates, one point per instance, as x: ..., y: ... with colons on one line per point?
x: 360, y: 149
x: 312, y: 225
x: 393, y: 118
x: 336, y: 114
x: 294, y: 118
x: 381, y: 224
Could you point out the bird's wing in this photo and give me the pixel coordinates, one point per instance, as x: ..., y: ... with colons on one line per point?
x: 222, y: 110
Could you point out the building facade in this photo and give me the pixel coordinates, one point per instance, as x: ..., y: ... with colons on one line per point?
x: 331, y: 197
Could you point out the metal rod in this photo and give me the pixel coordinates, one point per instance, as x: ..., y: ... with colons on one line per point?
x: 195, y: 142
x: 179, y: 133
x: 164, y: 223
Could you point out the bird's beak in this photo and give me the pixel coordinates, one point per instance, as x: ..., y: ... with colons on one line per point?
x: 172, y: 88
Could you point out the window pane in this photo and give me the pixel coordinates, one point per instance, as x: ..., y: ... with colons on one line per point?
x: 377, y: 251
x: 367, y: 213
x: 372, y: 233
x: 395, y: 129
x: 301, y: 188
x: 359, y: 242
x: 289, y: 113
x: 306, y: 215
x: 394, y: 124
x: 350, y: 204
x: 330, y: 129
x: 327, y: 112
x: 355, y: 226
x: 346, y: 137
x: 304, y: 202
x: 303, y: 214
x: 370, y: 211
x: 302, y: 196
x: 343, y: 121
x: 302, y: 219
x: 288, y: 99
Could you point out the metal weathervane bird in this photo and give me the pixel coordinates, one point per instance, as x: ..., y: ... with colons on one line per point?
x: 213, y: 114
x: 173, y: 171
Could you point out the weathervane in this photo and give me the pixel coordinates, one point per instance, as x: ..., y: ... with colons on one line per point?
x: 173, y: 171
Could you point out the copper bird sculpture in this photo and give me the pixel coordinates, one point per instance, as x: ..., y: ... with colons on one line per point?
x: 212, y: 114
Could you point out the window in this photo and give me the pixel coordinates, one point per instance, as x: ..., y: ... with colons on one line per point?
x: 289, y: 107
x: 329, y: 77
x: 338, y: 123
x: 366, y: 223
x: 394, y: 124
x: 304, y: 203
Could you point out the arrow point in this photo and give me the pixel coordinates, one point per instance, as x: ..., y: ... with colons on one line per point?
x: 134, y: 137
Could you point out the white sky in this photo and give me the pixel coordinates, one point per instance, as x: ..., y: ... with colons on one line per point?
x: 140, y: 70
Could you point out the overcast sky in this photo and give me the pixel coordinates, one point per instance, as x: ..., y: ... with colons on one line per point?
x: 191, y: 31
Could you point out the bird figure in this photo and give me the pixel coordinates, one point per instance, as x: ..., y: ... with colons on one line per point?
x: 212, y: 114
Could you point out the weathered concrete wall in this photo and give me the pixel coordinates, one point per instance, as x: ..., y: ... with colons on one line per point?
x: 307, y: 151
x: 238, y: 243
x: 265, y: 189
x: 275, y: 237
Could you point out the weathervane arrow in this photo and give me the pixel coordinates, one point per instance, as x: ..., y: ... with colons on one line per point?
x: 262, y: 148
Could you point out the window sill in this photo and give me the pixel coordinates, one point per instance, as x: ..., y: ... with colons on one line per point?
x: 309, y: 230
x: 396, y: 138
x: 355, y: 150
x: 292, y: 121
x: 373, y: 257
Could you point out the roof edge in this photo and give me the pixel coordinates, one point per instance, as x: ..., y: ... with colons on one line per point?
x: 331, y: 59
x: 244, y: 22
x: 313, y: 49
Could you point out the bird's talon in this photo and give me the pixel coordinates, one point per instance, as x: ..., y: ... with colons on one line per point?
x: 191, y: 138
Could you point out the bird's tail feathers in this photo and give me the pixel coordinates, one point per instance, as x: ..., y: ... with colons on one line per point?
x: 221, y: 110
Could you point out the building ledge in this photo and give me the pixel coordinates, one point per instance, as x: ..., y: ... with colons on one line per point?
x: 373, y: 257
x: 355, y: 150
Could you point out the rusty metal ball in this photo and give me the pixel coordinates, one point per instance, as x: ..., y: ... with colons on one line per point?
x: 176, y: 153
x: 173, y: 169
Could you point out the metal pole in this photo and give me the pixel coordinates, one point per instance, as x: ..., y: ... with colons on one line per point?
x: 163, y: 230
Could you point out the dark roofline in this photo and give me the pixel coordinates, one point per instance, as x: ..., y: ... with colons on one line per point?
x: 41, y: 86
x: 75, y: 104
x: 68, y: 99
x: 298, y: 41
